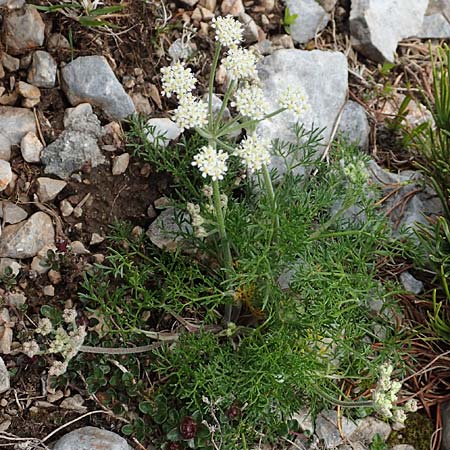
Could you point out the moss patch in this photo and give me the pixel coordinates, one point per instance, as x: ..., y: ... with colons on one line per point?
x: 418, y: 431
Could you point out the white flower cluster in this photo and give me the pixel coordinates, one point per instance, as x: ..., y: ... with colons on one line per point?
x: 229, y: 32
x: 356, y: 172
x: 197, y: 220
x: 240, y: 64
x: 295, y: 100
x: 31, y: 348
x: 211, y: 162
x: 249, y: 102
x: 58, y: 368
x: 191, y: 113
x: 385, y: 397
x: 254, y: 152
x: 67, y: 344
x: 69, y: 315
x: 177, y: 80
x: 44, y: 327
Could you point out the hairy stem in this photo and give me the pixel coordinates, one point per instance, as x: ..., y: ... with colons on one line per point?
x: 271, y: 195
x: 211, y: 86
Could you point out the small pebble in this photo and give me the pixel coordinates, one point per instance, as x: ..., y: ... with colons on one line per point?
x: 120, y: 164
x: 54, y: 276
x: 49, y: 291
x: 78, y: 248
x: 31, y: 148
x: 66, y: 208
x: 96, y: 239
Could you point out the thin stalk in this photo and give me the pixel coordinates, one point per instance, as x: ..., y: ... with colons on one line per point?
x: 271, y: 194
x: 225, y: 100
x: 347, y: 403
x: 211, y: 85
x: 228, y: 260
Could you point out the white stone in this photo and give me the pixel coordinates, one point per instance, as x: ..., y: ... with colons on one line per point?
x: 12, y: 264
x: 42, y: 72
x: 322, y: 75
x: 31, y: 148
x: 89, y: 438
x: 27, y: 238
x: 11, y: 213
x: 78, y: 248
x: 6, y: 174
x: 4, y: 377
x: 328, y: 431
x: 377, y: 26
x: 354, y: 125
x: 96, y: 239
x: 435, y: 26
x: 164, y: 128
x: 49, y: 188
x: 66, y: 208
x: 410, y: 283
x: 48, y: 291
x: 312, y: 19
x: 120, y: 164
x: 5, y: 147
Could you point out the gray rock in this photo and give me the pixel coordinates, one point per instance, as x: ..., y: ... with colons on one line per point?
x: 445, y: 410
x: 42, y: 72
x: 12, y: 4
x: 23, y: 30
x: 6, y: 174
x: 120, y: 164
x: 410, y: 283
x: 57, y: 41
x: 48, y: 188
x: 12, y: 264
x: 368, y: 428
x: 163, y: 231
x: 407, y: 447
x: 10, y: 63
x: 15, y: 123
x: 90, y: 79
x: 164, y: 128
x: 435, y: 26
x: 27, y: 238
x: 72, y: 114
x: 16, y: 299
x: 251, y: 29
x: 323, y: 76
x: 89, y: 438
x: 328, y: 5
x: 11, y: 213
x: 31, y: 148
x: 376, y: 26
x: 404, y: 217
x: 4, y: 377
x: 5, y: 147
x: 354, y: 125
x: 76, y: 146
x: 312, y: 18
x: 328, y: 431
x: 180, y: 50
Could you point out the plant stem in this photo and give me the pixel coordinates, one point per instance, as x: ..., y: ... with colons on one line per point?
x: 211, y: 86
x: 271, y: 194
x: 225, y: 100
x: 228, y: 260
x: 347, y: 403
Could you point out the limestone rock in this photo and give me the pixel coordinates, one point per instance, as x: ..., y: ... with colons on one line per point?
x: 5, y: 147
x: 163, y: 231
x: 90, y: 79
x: 58, y: 41
x: 410, y: 283
x: 376, y: 26
x: 11, y: 213
x: 233, y: 7
x: 323, y: 76
x: 328, y: 431
x: 10, y: 63
x: 163, y: 130
x: 354, y: 124
x: 6, y: 174
x: 25, y: 239
x: 42, y: 72
x: 75, y: 147
x: 435, y: 26
x: 312, y: 18
x: 89, y: 438
x: 15, y: 123
x: 23, y: 30
x: 12, y: 264
x: 31, y: 148
x: 48, y: 188
x: 120, y: 164
x: 4, y: 377
x: 368, y: 428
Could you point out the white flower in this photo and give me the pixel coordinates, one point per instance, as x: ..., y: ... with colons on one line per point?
x: 357, y: 172
x: 295, y: 100
x: 399, y: 416
x: 229, y: 32
x: 191, y: 113
x: 249, y: 101
x: 177, y: 80
x: 411, y: 405
x: 30, y: 348
x: 240, y: 64
x: 254, y: 152
x: 211, y: 162
x: 57, y: 368
x: 69, y: 315
x: 44, y: 327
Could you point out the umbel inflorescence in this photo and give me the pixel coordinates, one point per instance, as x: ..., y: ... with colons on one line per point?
x: 244, y: 94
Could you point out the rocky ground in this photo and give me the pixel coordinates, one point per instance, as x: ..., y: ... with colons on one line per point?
x: 66, y: 175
